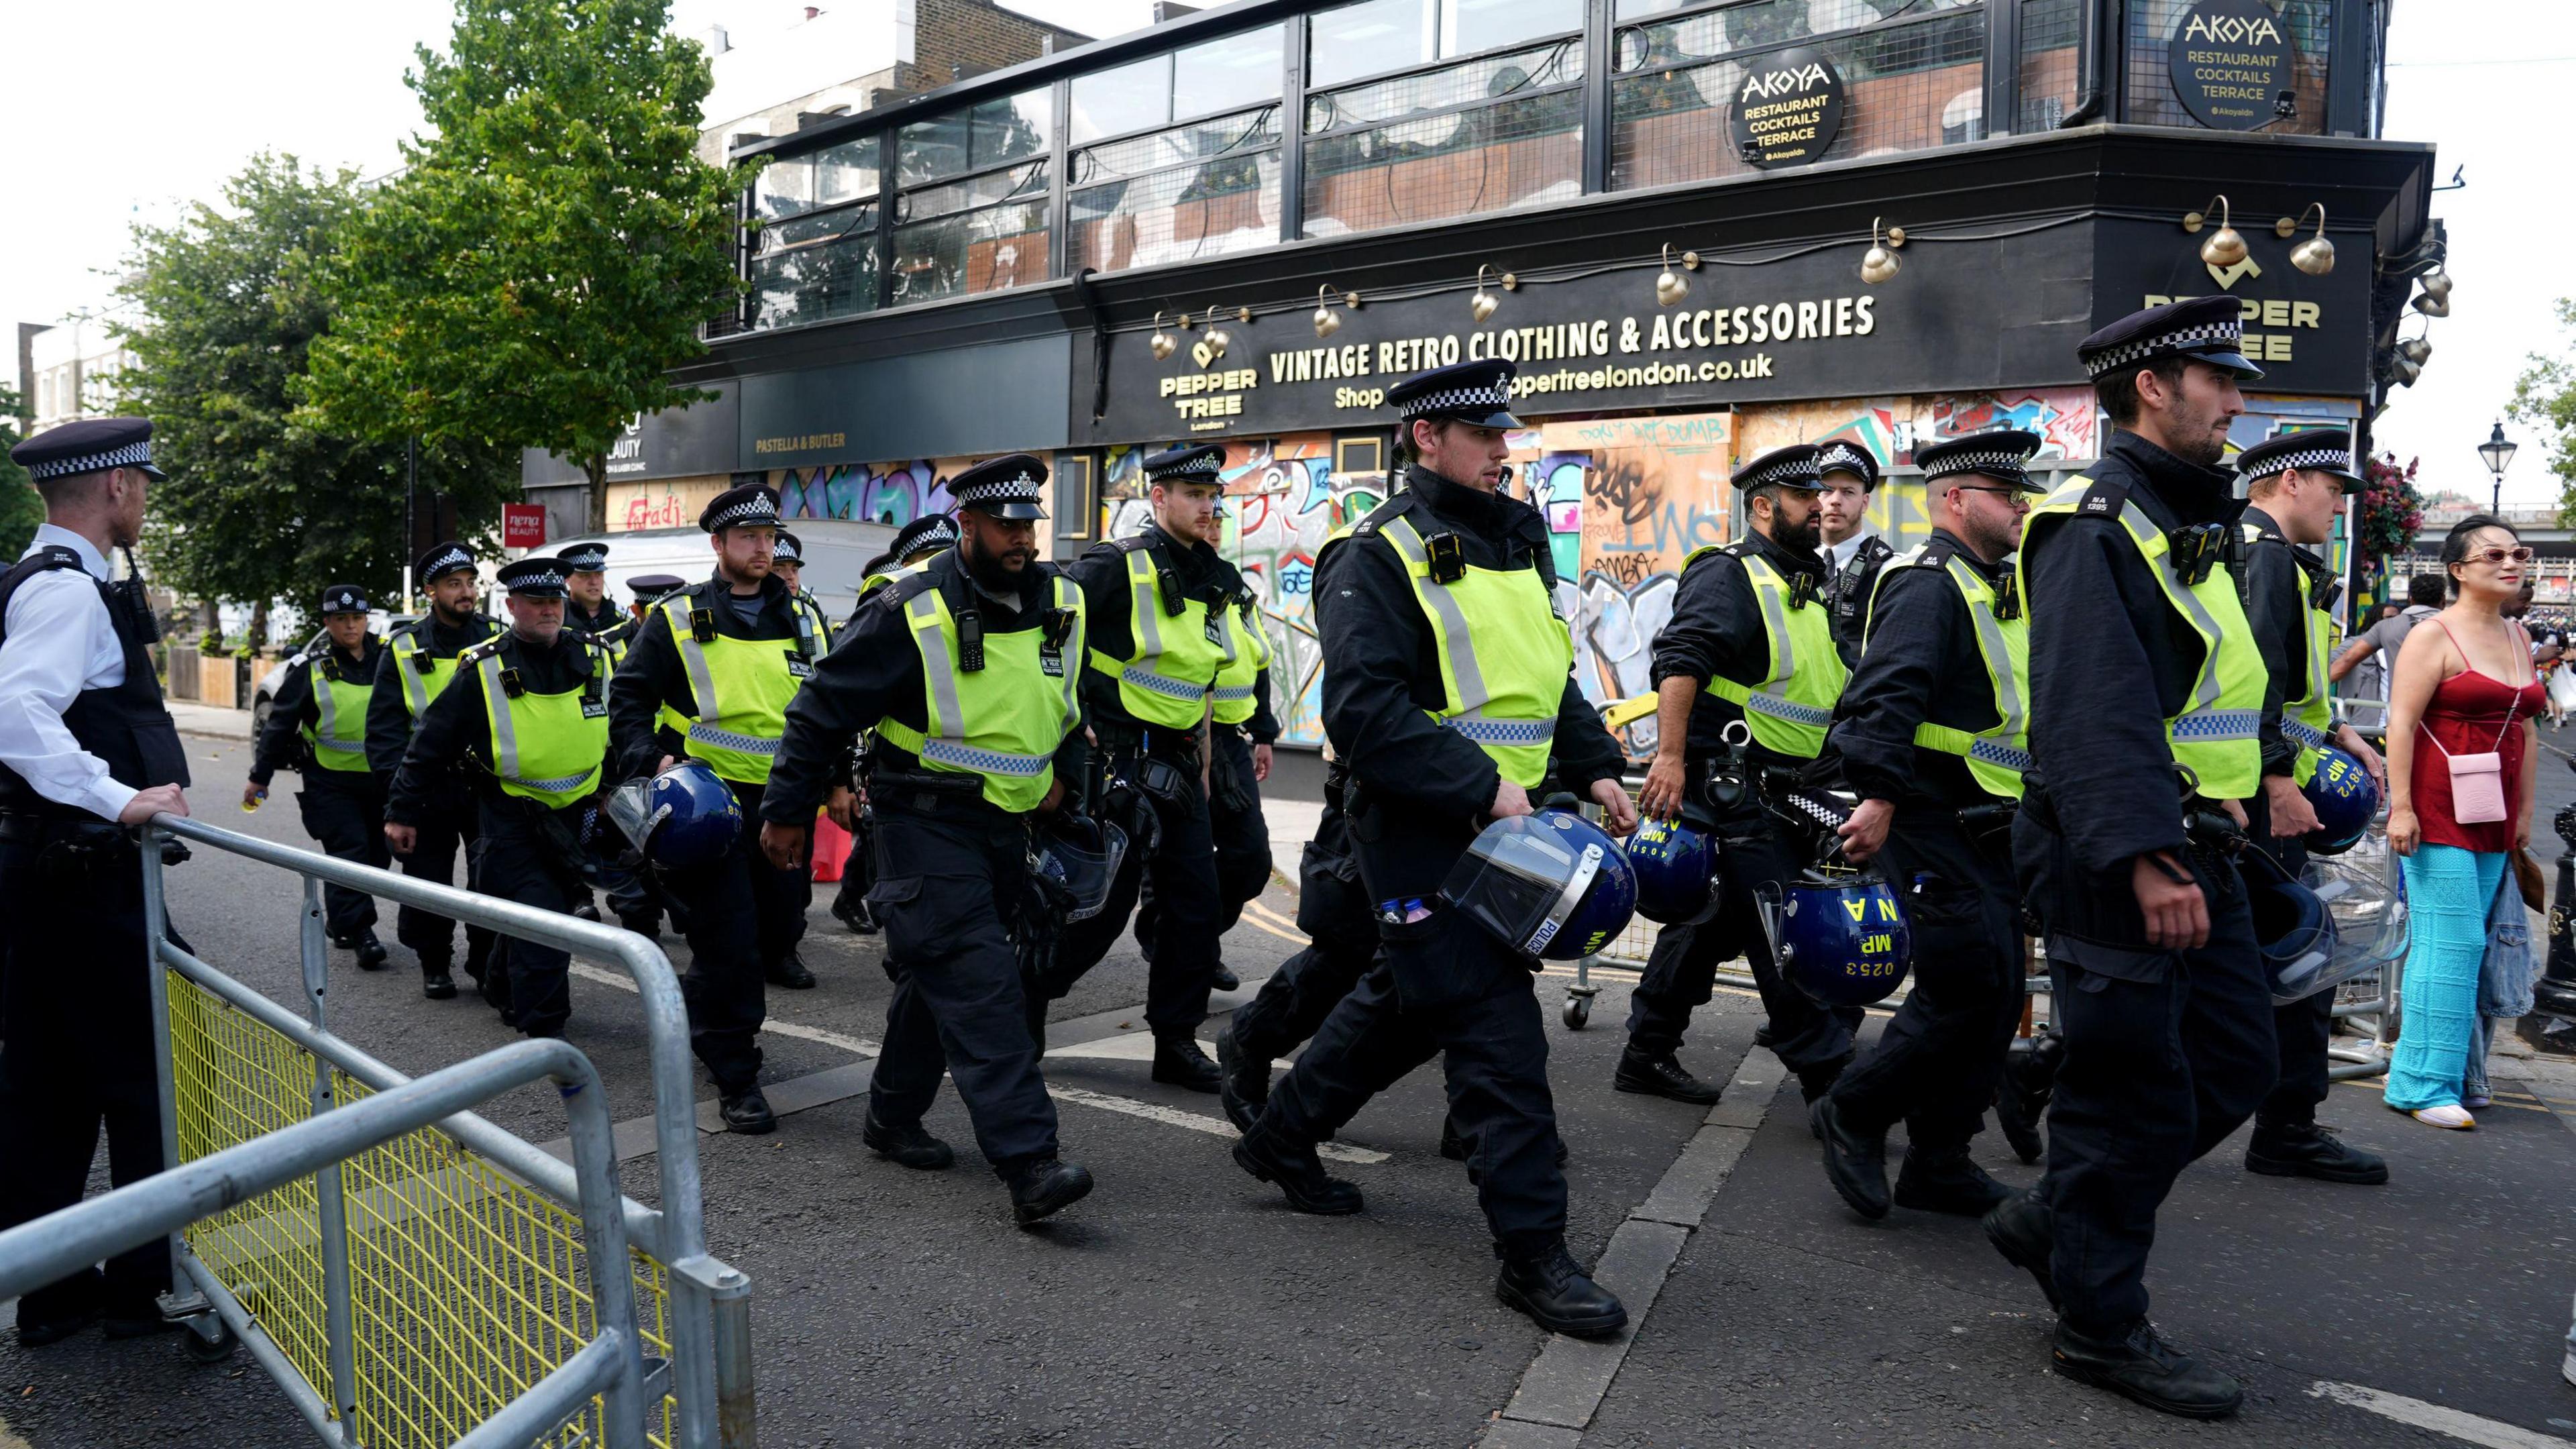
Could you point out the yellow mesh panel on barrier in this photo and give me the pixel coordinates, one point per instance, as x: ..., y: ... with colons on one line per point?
x: 466, y: 1286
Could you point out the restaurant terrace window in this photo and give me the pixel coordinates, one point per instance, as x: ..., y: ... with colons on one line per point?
x: 814, y: 249
x: 971, y: 211
x: 1417, y: 110
x: 1142, y: 190
x: 1912, y: 72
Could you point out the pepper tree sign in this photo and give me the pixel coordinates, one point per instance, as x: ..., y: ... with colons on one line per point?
x: 2231, y: 63
x: 1787, y: 108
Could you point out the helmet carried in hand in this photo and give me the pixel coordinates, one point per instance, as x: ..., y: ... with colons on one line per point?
x: 1676, y: 870
x: 1839, y: 934
x: 680, y: 818
x: 2345, y: 798
x: 1551, y: 885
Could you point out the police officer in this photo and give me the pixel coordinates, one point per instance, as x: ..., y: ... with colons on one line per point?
x: 789, y: 562
x: 1163, y: 626
x: 1448, y: 581
x: 915, y: 544
x: 588, y: 609
x: 2146, y: 686
x: 85, y: 748
x: 636, y: 897
x: 725, y: 657
x: 528, y: 721
x: 418, y: 663
x: 317, y: 727
x: 1931, y: 736
x: 967, y: 669
x: 2295, y: 486
x: 815, y: 628
x: 1750, y: 645
x: 1853, y: 553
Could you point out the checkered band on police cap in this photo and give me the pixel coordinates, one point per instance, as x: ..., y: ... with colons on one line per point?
x: 585, y: 558
x: 2212, y: 328
x: 131, y: 455
x: 1019, y: 487
x: 1843, y: 456
x: 1790, y: 467
x: 1486, y: 398
x: 1204, y: 463
x: 2200, y: 337
x: 2318, y: 450
x: 445, y: 559
x: 2003, y: 453
x: 533, y: 576
x: 755, y: 505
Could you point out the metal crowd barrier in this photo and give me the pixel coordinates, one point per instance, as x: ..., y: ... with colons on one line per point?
x: 438, y: 1283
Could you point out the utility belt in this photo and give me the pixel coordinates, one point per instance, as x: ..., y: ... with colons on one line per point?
x: 71, y: 850
x: 1161, y: 763
x: 931, y: 792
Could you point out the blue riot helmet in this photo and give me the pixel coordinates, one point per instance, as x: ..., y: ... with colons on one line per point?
x: 1551, y: 885
x: 1076, y: 859
x: 1676, y: 870
x: 2345, y: 798
x: 682, y: 817
x: 1839, y: 934
x: 2292, y: 927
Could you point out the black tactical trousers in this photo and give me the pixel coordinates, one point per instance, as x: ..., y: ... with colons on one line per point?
x: 447, y: 820
x: 76, y: 1054
x: 1341, y: 932
x: 527, y: 853
x: 1446, y: 988
x: 1182, y: 869
x: 741, y: 910
x: 1241, y: 836
x: 344, y: 812
x: 2303, y: 1030
x: 947, y: 886
x: 1935, y: 1064
x: 1681, y: 972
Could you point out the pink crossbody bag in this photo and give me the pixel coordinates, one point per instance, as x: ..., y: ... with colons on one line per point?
x: 2477, y: 781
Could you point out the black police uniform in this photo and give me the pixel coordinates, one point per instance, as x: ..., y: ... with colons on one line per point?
x: 1935, y: 1064
x: 1717, y: 629
x: 76, y: 1043
x: 448, y: 817
x: 1341, y: 942
x: 923, y: 537
x: 1418, y: 796
x: 524, y: 850
x: 1236, y: 825
x: 1848, y: 590
x: 343, y: 810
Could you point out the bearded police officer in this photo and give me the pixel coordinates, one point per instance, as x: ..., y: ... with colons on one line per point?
x: 915, y: 544
x: 418, y: 663
x: 1853, y: 553
x: 725, y: 657
x: 528, y: 722
x: 317, y: 727
x: 588, y: 610
x: 1163, y: 626
x: 1931, y: 737
x: 85, y: 747
x: 2295, y: 487
x: 1448, y: 684
x: 967, y: 668
x: 2146, y: 687
x: 1750, y: 645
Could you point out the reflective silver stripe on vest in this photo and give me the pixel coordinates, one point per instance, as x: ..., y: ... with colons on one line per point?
x: 707, y: 734
x: 415, y: 686
x: 1990, y: 643
x: 1075, y: 646
x: 1472, y: 693
x: 505, y: 730
x: 693, y: 657
x: 2303, y: 734
x: 2218, y: 724
x: 1170, y: 688
x: 327, y: 704
x: 2204, y: 690
x: 943, y: 741
x: 1233, y: 691
x: 1778, y: 708
x: 989, y: 762
x: 1503, y: 731
x: 1996, y: 752
x: 1145, y: 605
x: 551, y: 787
x: 1775, y: 622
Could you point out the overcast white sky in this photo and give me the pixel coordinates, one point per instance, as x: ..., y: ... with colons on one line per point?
x: 118, y: 112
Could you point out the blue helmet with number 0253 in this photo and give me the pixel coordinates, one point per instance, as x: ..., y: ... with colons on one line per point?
x: 682, y: 817
x: 1676, y: 870
x: 1550, y: 885
x: 2345, y: 798
x: 1839, y: 934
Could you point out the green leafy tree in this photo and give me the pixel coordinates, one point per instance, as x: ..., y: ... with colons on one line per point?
x: 552, y: 247
x: 2545, y: 396
x: 261, y: 505
x: 20, y: 509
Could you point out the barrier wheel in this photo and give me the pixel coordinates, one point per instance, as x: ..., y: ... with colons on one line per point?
x: 201, y: 1349
x: 1578, y: 1011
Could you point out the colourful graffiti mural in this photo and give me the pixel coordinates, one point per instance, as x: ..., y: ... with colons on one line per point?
x: 895, y: 493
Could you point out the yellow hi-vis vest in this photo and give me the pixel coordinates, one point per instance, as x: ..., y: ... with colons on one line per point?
x: 1998, y: 755
x: 338, y: 734
x: 1177, y: 656
x: 1233, y: 700
x: 2215, y: 736
x: 1504, y: 654
x: 549, y: 748
x: 1790, y: 706
x: 1004, y: 722
x: 425, y: 676
x: 741, y: 688
x: 2308, y: 720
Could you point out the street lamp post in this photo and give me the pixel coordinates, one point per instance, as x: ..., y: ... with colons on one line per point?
x: 2498, y: 455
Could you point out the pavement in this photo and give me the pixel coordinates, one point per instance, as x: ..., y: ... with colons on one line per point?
x: 1181, y: 1304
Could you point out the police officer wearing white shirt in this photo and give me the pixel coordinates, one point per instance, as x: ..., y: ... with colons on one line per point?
x: 86, y: 750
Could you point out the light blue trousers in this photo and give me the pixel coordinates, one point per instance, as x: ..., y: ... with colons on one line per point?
x: 2448, y: 893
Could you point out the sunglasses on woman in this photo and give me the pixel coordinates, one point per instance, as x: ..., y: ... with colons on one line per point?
x: 2499, y: 555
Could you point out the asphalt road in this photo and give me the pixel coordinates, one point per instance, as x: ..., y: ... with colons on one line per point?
x: 1182, y: 1304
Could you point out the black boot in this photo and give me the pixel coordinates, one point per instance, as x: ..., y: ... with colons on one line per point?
x: 1246, y: 1086
x: 1947, y: 1182
x: 852, y: 911
x: 371, y: 952
x: 1299, y: 1173
x: 1814, y: 1082
x: 909, y: 1145
x: 1225, y: 979
x: 1855, y: 1161
x: 1657, y: 1074
x: 435, y: 982
x: 2024, y: 1230
x: 1179, y: 1062
x: 2308, y: 1150
x: 2136, y: 1363
x: 586, y: 911
x: 1559, y: 1296
x: 789, y: 971
x: 1044, y: 1186
x: 747, y: 1112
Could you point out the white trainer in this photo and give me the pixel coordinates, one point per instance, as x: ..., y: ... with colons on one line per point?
x: 2456, y: 1119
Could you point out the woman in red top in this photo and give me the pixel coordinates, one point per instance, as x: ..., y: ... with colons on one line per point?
x: 2459, y: 733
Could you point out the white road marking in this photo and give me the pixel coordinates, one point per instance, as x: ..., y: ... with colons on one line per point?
x: 1213, y: 1126
x: 2440, y: 1420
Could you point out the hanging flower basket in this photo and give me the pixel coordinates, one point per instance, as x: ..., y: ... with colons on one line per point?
x: 2391, y: 509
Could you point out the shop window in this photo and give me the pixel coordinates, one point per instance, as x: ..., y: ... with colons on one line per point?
x: 972, y: 214
x: 2052, y: 35
x: 813, y: 249
x: 1494, y: 132
x: 1198, y: 190
x: 2153, y: 25
x: 1913, y: 73
x: 1226, y: 74
x: 1075, y: 501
